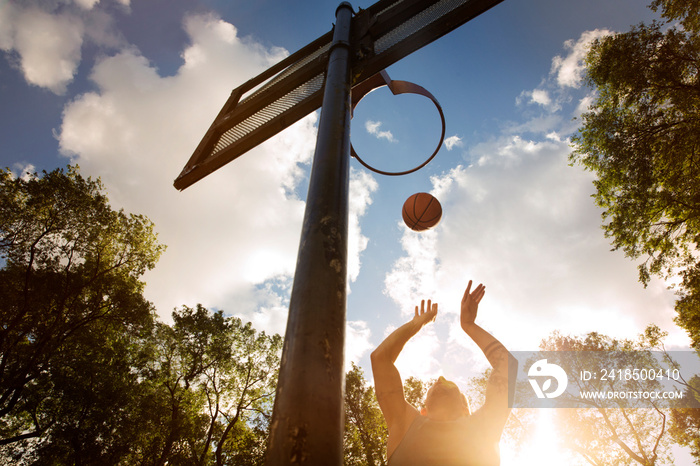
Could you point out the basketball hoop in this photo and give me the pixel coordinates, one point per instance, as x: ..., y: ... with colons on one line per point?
x: 396, y: 87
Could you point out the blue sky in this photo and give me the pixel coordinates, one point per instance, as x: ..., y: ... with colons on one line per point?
x: 126, y: 88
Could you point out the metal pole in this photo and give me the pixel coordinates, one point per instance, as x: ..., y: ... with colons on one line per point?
x: 307, y: 420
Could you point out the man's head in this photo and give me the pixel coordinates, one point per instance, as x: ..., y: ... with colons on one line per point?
x: 444, y: 401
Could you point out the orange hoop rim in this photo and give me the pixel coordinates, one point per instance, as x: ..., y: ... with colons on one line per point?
x: 382, y: 79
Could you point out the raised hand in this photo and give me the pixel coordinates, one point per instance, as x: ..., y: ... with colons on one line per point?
x: 470, y: 304
x: 425, y: 315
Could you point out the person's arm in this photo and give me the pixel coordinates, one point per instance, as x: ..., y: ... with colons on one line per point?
x: 387, y: 381
x: 501, y: 383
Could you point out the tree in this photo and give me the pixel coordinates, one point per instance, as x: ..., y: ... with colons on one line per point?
x: 685, y: 417
x: 87, y: 373
x: 611, y: 431
x: 240, y: 395
x: 94, y: 397
x: 685, y: 412
x: 212, y: 381
x: 70, y: 265
x: 365, y: 430
x: 415, y: 389
x: 641, y: 137
x: 685, y: 11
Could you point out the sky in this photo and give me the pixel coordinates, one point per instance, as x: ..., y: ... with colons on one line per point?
x: 127, y: 88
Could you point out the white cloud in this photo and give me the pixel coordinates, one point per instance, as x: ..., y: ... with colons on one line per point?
x: 452, y: 142
x: 265, y: 305
x: 8, y: 15
x: 362, y: 185
x: 558, y: 91
x: 46, y: 45
x: 357, y: 335
x: 550, y: 102
x: 420, y: 356
x: 585, y: 103
x: 542, y: 124
x: 412, y: 277
x: 86, y: 4
x: 569, y: 69
x: 554, y: 136
x: 541, y: 97
x: 372, y: 128
x: 522, y: 222
x: 232, y: 232
x: 23, y: 171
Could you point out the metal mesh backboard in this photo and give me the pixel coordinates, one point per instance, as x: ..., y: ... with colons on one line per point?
x: 381, y: 35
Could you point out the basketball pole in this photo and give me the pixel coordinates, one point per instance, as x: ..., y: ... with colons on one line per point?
x: 308, y: 416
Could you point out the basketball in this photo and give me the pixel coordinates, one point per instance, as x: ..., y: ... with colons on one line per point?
x: 421, y: 212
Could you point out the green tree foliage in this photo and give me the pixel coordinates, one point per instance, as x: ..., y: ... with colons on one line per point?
x: 612, y: 431
x: 685, y: 412
x: 365, y: 430
x: 641, y: 137
x: 69, y: 264
x: 88, y: 375
x: 685, y: 426
x: 415, y: 389
x: 213, y: 379
x: 685, y: 11
x: 93, y: 397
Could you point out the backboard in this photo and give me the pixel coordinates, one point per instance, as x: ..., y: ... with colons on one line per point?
x: 265, y: 105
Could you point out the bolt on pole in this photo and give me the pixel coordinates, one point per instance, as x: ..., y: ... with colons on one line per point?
x: 308, y: 416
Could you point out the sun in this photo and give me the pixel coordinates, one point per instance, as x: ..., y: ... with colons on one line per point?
x: 544, y: 447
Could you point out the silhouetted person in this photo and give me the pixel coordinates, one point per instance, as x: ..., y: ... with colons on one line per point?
x: 445, y: 432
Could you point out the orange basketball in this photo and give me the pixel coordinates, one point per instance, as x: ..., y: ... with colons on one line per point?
x: 421, y: 211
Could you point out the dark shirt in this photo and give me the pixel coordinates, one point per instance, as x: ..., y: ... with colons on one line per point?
x: 446, y: 443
